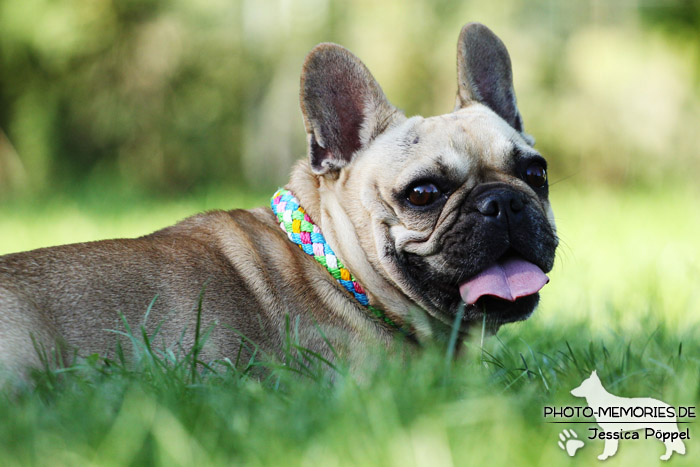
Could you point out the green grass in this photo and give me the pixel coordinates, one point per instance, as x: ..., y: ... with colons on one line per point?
x: 92, y: 214
x: 623, y: 300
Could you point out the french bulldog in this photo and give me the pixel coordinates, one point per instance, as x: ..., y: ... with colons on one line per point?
x: 392, y: 226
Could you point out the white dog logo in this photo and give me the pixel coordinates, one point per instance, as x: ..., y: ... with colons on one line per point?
x: 616, y: 415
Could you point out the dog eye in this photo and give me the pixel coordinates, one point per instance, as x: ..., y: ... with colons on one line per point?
x: 423, y: 194
x: 536, y: 175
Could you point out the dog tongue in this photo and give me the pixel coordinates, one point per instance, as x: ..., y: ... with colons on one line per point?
x: 509, y: 280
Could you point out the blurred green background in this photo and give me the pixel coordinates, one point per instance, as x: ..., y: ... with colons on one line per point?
x: 119, y: 117
x: 163, y: 97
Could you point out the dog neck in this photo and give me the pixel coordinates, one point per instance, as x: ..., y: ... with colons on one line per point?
x: 601, y: 398
x: 301, y: 230
x: 383, y: 292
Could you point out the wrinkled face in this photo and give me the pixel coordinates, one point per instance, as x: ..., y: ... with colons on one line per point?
x: 452, y: 209
x: 455, y: 201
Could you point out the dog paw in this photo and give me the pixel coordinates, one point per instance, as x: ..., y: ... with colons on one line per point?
x: 569, y: 443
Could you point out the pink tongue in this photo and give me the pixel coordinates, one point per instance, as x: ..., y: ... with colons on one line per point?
x: 509, y: 280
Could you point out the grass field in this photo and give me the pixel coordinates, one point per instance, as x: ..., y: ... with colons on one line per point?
x: 623, y: 299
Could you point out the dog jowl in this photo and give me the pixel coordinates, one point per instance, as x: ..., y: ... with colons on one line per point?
x: 387, y: 228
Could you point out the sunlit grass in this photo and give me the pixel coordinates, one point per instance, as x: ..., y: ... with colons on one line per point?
x: 30, y: 224
x: 485, y: 408
x: 626, y: 254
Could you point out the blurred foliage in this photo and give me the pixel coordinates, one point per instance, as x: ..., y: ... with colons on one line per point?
x: 167, y: 96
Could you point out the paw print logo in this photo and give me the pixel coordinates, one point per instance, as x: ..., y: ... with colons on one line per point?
x: 569, y: 442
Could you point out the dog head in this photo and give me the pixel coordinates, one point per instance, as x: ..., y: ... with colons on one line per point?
x: 435, y: 211
x: 588, y: 387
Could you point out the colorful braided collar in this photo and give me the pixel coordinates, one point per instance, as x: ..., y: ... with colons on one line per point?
x: 301, y: 230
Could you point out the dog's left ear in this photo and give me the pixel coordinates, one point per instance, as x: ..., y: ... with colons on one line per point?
x: 344, y: 108
x: 485, y: 75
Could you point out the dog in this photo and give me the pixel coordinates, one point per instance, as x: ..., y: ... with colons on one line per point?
x: 614, y: 425
x: 392, y: 226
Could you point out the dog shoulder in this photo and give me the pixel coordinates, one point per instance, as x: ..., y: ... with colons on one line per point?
x: 236, y: 227
x: 245, y: 239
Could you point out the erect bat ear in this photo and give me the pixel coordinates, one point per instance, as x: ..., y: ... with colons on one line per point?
x: 344, y: 108
x: 484, y: 74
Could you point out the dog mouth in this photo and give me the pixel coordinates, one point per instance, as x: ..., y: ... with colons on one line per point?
x: 504, y: 291
x: 509, y: 278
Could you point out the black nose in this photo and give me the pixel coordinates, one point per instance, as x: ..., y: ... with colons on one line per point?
x: 501, y: 206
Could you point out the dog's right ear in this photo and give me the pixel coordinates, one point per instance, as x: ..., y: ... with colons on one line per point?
x: 344, y: 108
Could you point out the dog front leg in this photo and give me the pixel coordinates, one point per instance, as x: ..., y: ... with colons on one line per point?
x: 610, y: 449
